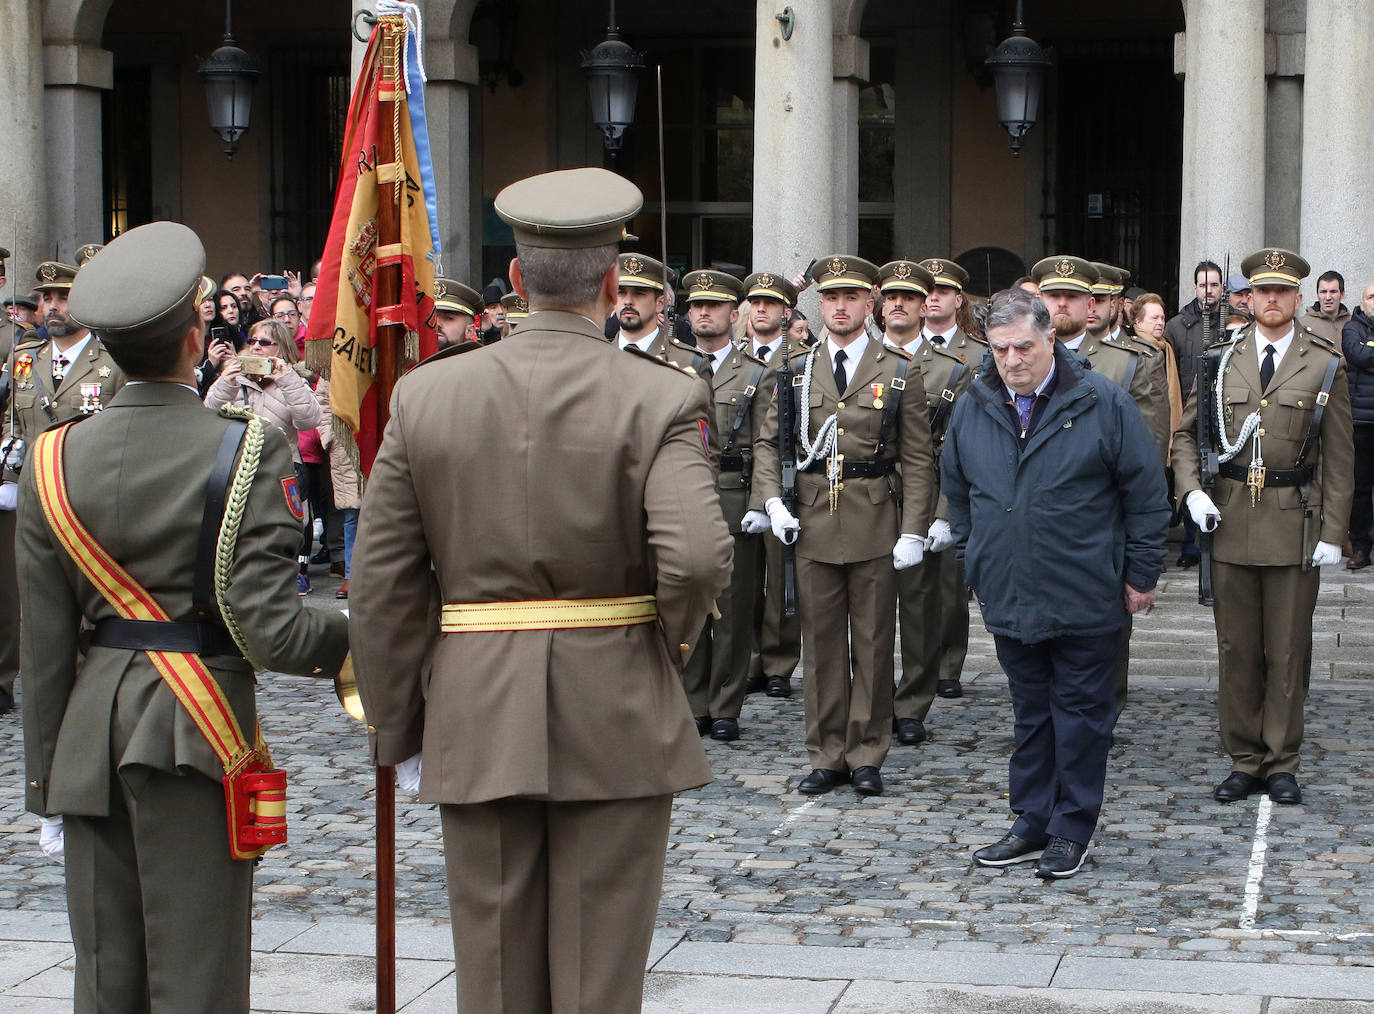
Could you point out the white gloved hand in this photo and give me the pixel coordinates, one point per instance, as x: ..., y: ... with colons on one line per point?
x: 9, y: 496
x: 408, y: 773
x: 785, y: 526
x: 50, y: 838
x: 754, y: 523
x: 908, y: 552
x: 939, y: 538
x: 1326, y: 555
x: 1204, y: 513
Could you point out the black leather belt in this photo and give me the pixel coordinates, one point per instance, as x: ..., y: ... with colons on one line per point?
x: 858, y: 469
x: 1272, y: 476
x: 168, y: 635
x: 732, y: 462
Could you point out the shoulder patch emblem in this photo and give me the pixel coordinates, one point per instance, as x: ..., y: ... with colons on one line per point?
x: 292, y: 488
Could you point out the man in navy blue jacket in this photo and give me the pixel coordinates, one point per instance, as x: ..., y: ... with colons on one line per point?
x: 1059, y: 511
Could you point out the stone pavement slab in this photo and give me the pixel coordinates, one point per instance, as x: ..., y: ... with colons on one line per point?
x: 695, y: 994
x: 1347, y: 983
x: 901, y: 998
x: 328, y: 984
x: 24, y: 959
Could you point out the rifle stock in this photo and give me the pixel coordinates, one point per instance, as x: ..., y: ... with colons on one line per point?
x: 787, y: 460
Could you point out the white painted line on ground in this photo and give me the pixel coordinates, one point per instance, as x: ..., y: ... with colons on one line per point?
x: 794, y: 816
x: 1257, y: 853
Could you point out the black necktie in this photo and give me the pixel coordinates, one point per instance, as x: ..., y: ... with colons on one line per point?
x: 937, y: 339
x: 841, y: 380
x: 1267, y: 368
x: 764, y: 351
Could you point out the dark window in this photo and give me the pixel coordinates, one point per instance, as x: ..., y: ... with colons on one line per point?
x: 127, y: 136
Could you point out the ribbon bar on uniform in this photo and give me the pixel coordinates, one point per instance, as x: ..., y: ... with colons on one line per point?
x: 548, y: 614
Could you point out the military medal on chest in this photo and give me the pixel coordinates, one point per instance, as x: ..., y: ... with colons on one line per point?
x: 90, y: 399
x: 877, y: 390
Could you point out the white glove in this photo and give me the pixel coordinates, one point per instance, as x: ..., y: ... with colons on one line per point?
x: 939, y: 538
x: 50, y: 838
x: 1204, y: 513
x: 408, y: 774
x: 1326, y: 555
x: 908, y: 552
x: 785, y: 526
x: 754, y: 523
x: 9, y: 496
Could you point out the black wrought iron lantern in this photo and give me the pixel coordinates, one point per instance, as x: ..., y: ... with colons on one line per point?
x: 1018, y: 68
x: 612, y: 70
x: 229, y: 75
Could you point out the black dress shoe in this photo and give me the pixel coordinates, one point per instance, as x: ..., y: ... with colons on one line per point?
x: 910, y: 731
x: 755, y: 684
x: 1359, y: 560
x: 725, y: 729
x: 1011, y: 849
x: 1188, y: 560
x: 868, y: 781
x: 949, y: 688
x: 703, y: 724
x: 1283, y: 788
x: 1238, y: 785
x: 1062, y: 858
x: 821, y: 780
x: 779, y: 686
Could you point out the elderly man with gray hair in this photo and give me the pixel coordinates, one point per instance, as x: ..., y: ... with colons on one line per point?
x: 1059, y: 512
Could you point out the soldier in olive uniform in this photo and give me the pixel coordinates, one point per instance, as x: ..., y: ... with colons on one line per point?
x: 1104, y: 324
x: 551, y: 711
x: 942, y: 305
x: 455, y: 308
x: 9, y: 588
x: 642, y: 282
x: 1279, y: 507
x: 714, y: 676
x: 160, y: 910
x: 860, y: 411
x: 932, y: 599
x: 516, y: 309
x: 777, y: 637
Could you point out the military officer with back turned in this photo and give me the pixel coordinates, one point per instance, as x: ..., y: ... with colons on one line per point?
x: 1279, y: 507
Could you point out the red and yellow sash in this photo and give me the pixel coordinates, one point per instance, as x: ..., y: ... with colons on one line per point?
x: 255, y: 794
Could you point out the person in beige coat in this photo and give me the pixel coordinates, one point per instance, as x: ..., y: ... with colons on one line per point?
x: 557, y: 495
x: 343, y: 479
x: 282, y: 397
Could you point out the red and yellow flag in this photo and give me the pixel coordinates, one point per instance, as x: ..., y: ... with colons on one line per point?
x: 373, y: 315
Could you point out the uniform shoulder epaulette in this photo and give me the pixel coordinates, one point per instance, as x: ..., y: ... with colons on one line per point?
x: 682, y: 346
x: 636, y: 351
x: 978, y: 339
x: 1140, y: 345
x: 940, y: 350
x: 30, y: 340
x: 1320, y: 340
x: 902, y: 353
x: 1120, y: 343
x: 468, y: 345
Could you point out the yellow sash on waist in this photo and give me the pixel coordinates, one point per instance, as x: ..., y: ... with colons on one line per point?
x: 548, y: 614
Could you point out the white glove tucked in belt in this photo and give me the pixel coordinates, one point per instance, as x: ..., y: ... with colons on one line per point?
x: 785, y: 526
x: 908, y: 552
x: 1204, y: 513
x: 754, y: 523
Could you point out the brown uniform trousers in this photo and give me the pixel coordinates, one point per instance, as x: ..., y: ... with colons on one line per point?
x: 845, y: 578
x: 932, y: 601
x: 714, y: 676
x: 552, y: 752
x: 1264, y: 592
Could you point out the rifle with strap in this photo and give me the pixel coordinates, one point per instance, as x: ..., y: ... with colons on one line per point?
x: 787, y: 459
x: 1208, y: 465
x: 254, y: 791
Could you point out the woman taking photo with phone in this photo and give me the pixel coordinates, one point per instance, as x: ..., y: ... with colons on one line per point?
x: 264, y: 377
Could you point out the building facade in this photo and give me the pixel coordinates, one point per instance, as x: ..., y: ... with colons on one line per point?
x: 1167, y: 132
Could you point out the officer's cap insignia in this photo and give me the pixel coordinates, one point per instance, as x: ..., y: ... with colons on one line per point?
x: 440, y: 290
x: 937, y: 267
x: 1274, y: 260
x: 703, y: 283
x: 48, y: 273
x: 766, y: 281
x: 902, y: 271
x: 836, y: 266
x: 634, y: 265
x: 1064, y: 268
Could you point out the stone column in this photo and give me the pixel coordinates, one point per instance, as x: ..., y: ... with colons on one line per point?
x: 1223, y: 172
x: 1337, y: 169
x: 24, y: 197
x: 452, y: 68
x: 851, y: 71
x: 794, y: 138
x: 74, y: 74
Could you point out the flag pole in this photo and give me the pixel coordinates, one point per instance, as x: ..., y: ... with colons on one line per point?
x: 662, y: 182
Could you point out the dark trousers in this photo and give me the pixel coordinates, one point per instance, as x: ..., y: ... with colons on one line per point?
x: 9, y: 605
x: 1362, y: 510
x: 1062, y: 693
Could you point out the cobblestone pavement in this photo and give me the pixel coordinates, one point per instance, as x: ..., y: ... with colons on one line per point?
x: 1171, y: 873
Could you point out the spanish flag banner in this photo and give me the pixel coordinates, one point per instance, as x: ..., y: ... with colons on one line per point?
x: 373, y: 316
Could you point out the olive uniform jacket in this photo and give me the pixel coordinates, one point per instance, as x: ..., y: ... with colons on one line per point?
x: 740, y: 391
x: 32, y: 383
x: 1271, y: 533
x: 551, y: 465
x: 945, y: 375
x: 136, y: 476
x: 868, y: 520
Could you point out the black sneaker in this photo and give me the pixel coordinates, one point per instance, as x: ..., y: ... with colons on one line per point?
x: 1062, y: 858
x: 1011, y: 849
